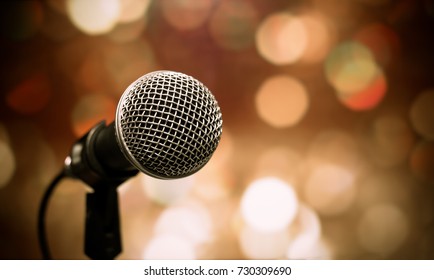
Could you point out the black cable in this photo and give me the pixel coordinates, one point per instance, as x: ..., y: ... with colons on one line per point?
x: 41, y: 215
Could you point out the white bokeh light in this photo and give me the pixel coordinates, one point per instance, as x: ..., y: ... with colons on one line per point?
x: 191, y: 223
x: 263, y: 245
x: 169, y: 247
x: 167, y: 192
x: 94, y: 17
x: 269, y: 204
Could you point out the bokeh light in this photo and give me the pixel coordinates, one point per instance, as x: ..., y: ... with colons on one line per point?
x: 167, y: 192
x: 132, y: 10
x: 422, y: 161
x: 350, y: 67
x: 186, y: 14
x: 4, y: 134
x: 382, y: 229
x: 90, y: 110
x: 422, y: 114
x: 169, y: 247
x: 269, y: 204
x: 389, y: 140
x: 280, y: 162
x: 281, y: 38
x: 128, y: 32
x: 382, y: 41
x: 321, y: 35
x: 29, y: 143
x: 305, y: 233
x: 263, y: 245
x: 355, y: 75
x: 126, y: 63
x: 192, y: 223
x: 367, y: 98
x: 334, y: 147
x: 383, y: 187
x: 232, y: 24
x: 330, y: 189
x: 7, y: 163
x: 94, y: 17
x: 31, y: 95
x: 282, y: 101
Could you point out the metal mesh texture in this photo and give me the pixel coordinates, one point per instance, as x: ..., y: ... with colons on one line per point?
x: 168, y: 124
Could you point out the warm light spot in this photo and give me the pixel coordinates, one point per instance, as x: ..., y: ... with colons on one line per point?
x: 215, y: 180
x: 369, y: 97
x: 350, y: 67
x: 385, y: 187
x: 94, y: 17
x: 306, y: 236
x: 7, y: 163
x: 167, y: 191
x: 186, y: 14
x: 335, y: 147
x: 330, y: 189
x: 29, y: 143
x: 91, y: 74
x: 213, y: 183
x: 269, y: 204
x: 127, y: 62
x: 382, y: 229
x: 169, y: 247
x: 389, y: 140
x: 128, y: 32
x: 302, y: 249
x: 31, y: 95
x: 191, y: 223
x: 320, y: 37
x: 132, y: 10
x: 280, y: 162
x: 90, y: 110
x: 282, y: 101
x: 4, y: 135
x: 355, y: 75
x: 233, y: 23
x: 422, y: 114
x: 281, y: 39
x: 381, y: 40
x: 422, y: 161
x: 263, y: 245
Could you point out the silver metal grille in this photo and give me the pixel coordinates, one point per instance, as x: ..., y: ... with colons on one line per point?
x: 168, y: 124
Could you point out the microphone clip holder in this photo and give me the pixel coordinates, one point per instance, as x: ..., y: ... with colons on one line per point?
x: 102, y: 226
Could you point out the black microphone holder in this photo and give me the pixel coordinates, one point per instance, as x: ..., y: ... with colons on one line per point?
x: 102, y: 225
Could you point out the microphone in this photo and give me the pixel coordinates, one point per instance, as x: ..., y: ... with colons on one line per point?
x: 167, y: 125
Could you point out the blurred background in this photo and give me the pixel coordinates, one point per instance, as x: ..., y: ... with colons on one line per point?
x: 327, y: 149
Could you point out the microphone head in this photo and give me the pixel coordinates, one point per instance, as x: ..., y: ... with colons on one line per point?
x: 168, y: 124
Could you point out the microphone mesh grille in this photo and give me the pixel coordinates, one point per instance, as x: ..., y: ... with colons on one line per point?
x: 168, y: 124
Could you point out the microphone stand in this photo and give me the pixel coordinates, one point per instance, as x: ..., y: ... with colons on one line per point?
x: 102, y: 233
